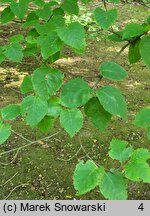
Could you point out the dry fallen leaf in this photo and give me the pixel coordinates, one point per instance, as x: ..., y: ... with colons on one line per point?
x: 41, y: 142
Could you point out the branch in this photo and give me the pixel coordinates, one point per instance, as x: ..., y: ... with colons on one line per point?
x: 21, y: 136
x: 21, y: 185
x: 24, y: 146
x: 12, y: 161
x: 66, y: 160
x: 100, y: 77
x: 132, y: 40
x: 121, y: 50
x: 87, y: 155
x: 2, y: 185
x: 79, y: 75
x: 105, y: 4
x: 142, y: 3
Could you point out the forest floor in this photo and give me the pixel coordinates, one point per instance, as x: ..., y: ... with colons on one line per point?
x: 44, y: 169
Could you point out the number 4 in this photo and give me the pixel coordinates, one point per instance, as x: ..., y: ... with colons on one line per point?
x: 141, y: 207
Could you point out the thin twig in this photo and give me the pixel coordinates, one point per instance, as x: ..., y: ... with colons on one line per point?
x: 111, y: 30
x: 81, y: 147
x: 21, y: 136
x: 97, y: 81
x: 58, y: 140
x: 66, y: 160
x: 105, y: 4
x: 24, y: 146
x: 141, y: 3
x: 9, y: 180
x: 121, y: 50
x: 18, y: 92
x: 80, y: 142
x: 21, y: 185
x: 12, y: 161
x: 132, y: 40
x: 79, y: 75
x: 133, y: 186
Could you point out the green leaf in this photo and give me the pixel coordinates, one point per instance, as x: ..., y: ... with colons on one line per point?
x: 2, y: 57
x: 54, y: 107
x: 75, y: 93
x: 134, y: 52
x: 70, y: 6
x: 14, y: 52
x: 16, y: 38
x: 117, y: 36
x: 137, y: 168
x: 113, y: 101
x: 4, y: 132
x: 113, y: 71
x: 46, y: 28
x: 26, y: 85
x: 34, y: 108
x: 53, y: 3
x: 46, y: 124
x: 132, y: 30
x: 71, y: 120
x: 119, y: 150
x: 114, y: 186
x: 44, y: 13
x: 145, y: 50
x: 147, y: 27
x: 6, y: 1
x: 105, y: 19
x: 142, y: 118
x: 39, y: 3
x: 59, y: 21
x: 87, y: 176
x: 30, y: 51
x: 86, y: 1
x: 32, y: 36
x: 31, y: 20
x: 58, y: 11
x: 54, y: 57
x: 148, y: 133
x: 6, y: 15
x: 148, y: 20
x: 10, y: 112
x: 56, y: 23
x: 49, y: 44
x: 98, y: 116
x: 46, y: 81
x: 20, y: 8
x: 73, y: 35
x: 114, y: 1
